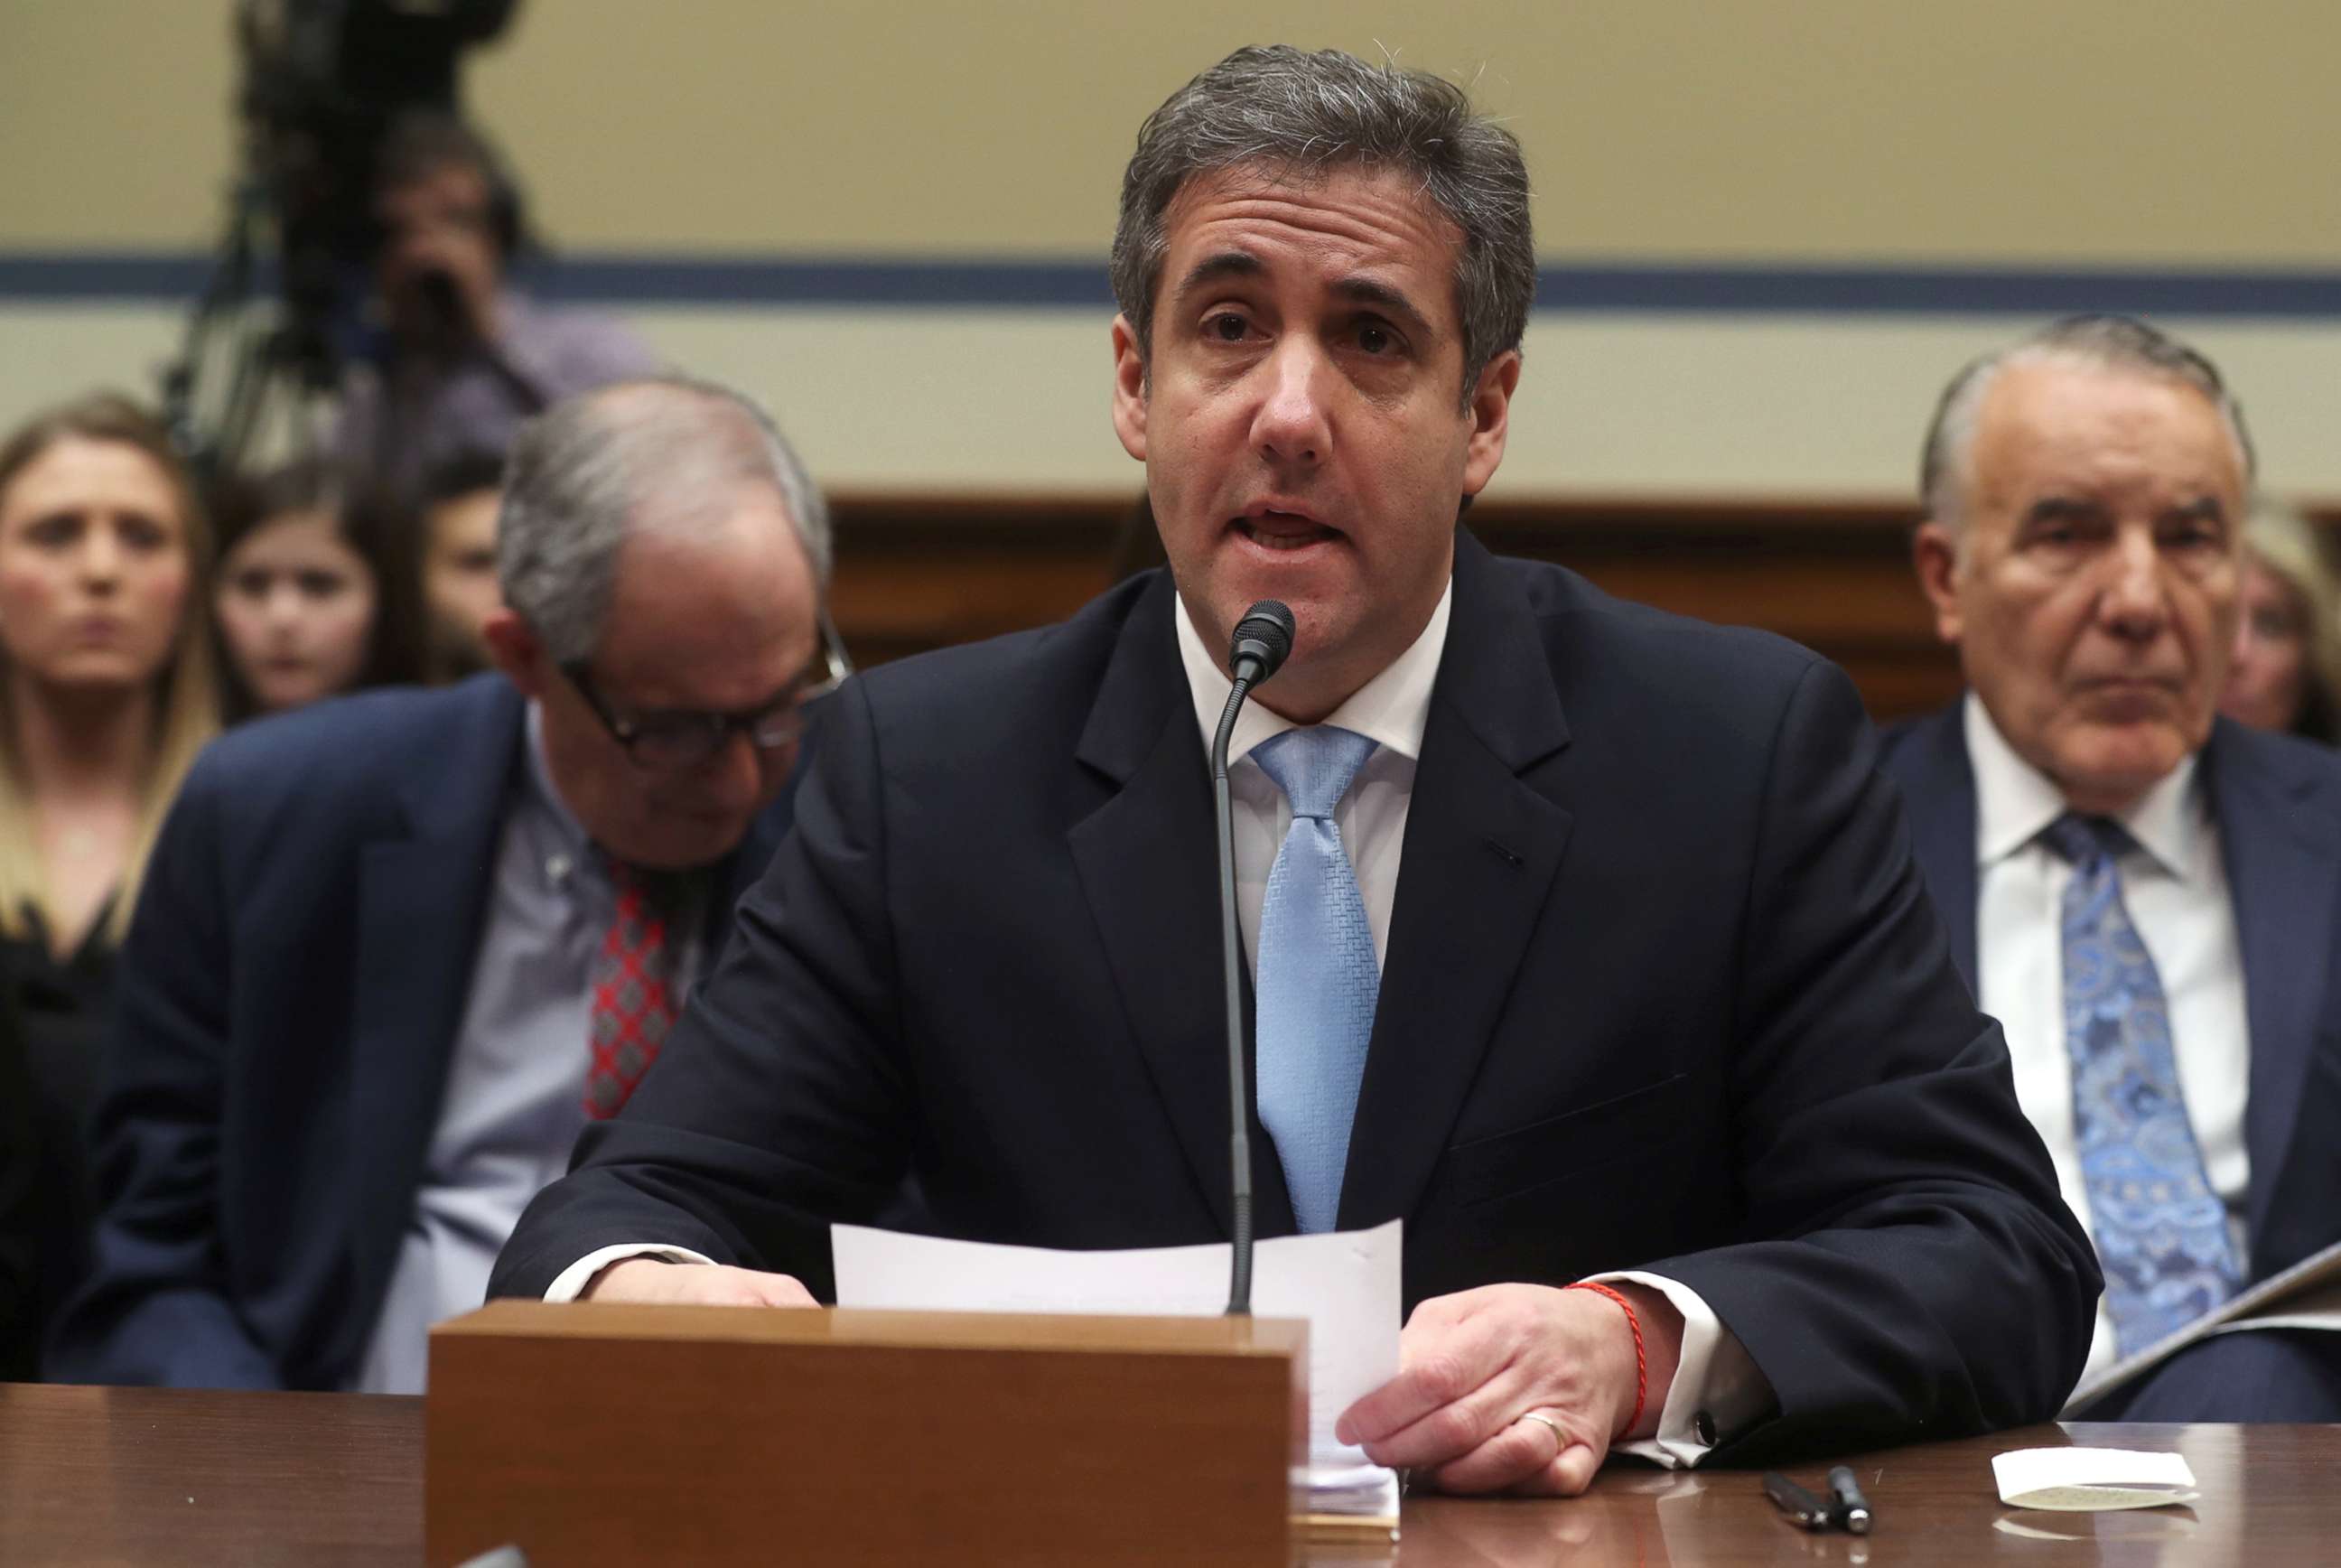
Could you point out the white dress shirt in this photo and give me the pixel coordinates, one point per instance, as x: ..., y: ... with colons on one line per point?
x: 1715, y: 1377
x: 2175, y: 886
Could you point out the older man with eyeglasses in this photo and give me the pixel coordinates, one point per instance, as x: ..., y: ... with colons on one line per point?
x: 396, y: 951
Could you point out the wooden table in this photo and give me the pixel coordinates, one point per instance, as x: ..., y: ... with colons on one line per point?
x: 92, y: 1475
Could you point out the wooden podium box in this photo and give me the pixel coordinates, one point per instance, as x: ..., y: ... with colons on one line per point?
x: 592, y: 1433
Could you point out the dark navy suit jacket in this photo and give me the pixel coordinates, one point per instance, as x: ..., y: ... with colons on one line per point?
x: 290, y: 995
x: 1663, y: 989
x: 2277, y: 801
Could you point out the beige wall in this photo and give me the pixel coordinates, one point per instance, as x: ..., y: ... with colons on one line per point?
x: 2078, y: 133
x: 2008, y: 129
x: 2073, y: 131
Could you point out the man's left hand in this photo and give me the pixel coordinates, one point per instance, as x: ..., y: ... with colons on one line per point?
x: 1474, y: 1365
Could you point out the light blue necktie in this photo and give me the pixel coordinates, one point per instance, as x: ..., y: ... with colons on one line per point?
x: 2162, y: 1233
x: 1316, y: 973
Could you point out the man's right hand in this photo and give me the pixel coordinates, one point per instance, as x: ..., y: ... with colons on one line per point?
x: 651, y: 1281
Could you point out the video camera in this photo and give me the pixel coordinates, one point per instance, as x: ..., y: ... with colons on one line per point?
x: 321, y: 81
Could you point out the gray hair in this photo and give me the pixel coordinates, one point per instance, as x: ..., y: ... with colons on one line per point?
x: 1299, y: 113
x: 665, y: 453
x: 2113, y: 343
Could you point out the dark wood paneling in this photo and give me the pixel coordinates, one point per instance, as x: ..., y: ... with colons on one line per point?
x: 917, y: 573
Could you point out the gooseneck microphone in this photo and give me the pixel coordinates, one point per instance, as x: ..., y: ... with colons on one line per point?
x: 1262, y: 642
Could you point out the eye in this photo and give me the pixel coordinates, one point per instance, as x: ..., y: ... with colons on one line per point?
x: 317, y: 584
x: 2065, y: 528
x: 252, y: 583
x: 1227, y: 326
x: 54, y: 532
x: 1376, y: 339
x: 142, y: 533
x: 2274, y: 625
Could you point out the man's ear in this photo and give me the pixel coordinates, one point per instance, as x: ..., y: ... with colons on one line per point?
x: 515, y: 648
x: 1129, y: 390
x: 1491, y: 413
x: 1934, y: 550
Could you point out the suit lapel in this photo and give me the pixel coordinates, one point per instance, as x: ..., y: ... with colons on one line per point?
x: 2283, y: 850
x: 1482, y: 846
x: 1942, y: 811
x: 421, y: 900
x: 1146, y: 859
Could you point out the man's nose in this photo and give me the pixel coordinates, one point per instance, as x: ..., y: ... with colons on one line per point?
x: 1292, y: 426
x: 733, y: 777
x: 2135, y: 600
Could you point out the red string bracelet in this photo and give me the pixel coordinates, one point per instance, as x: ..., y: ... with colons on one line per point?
x: 1641, y: 1360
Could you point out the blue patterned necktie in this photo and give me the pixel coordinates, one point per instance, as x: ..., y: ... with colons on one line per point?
x: 2161, y: 1230
x: 1316, y: 977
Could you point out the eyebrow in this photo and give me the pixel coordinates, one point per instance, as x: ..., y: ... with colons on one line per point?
x: 1356, y: 290
x: 2071, y: 509
x: 2206, y: 508
x: 2061, y: 507
x: 1226, y: 264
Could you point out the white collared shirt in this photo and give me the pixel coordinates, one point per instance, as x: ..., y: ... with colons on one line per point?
x: 1715, y: 1375
x: 2175, y: 886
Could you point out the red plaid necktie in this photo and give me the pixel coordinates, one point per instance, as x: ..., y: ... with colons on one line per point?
x: 634, y: 998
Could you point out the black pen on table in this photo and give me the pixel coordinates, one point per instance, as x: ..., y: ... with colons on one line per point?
x: 1849, y: 1509
x: 1802, y: 1508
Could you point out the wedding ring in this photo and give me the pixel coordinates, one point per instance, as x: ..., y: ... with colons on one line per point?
x: 1558, y: 1433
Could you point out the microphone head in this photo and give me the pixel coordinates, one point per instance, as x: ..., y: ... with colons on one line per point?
x: 1264, y: 638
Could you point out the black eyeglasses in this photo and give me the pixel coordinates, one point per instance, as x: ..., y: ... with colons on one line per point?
x: 677, y: 738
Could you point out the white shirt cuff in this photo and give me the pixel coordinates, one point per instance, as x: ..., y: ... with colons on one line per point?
x: 1717, y: 1388
x: 579, y: 1274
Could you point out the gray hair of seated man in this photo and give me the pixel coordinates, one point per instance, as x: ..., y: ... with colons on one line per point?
x: 2121, y: 343
x: 1297, y: 114
x: 665, y: 454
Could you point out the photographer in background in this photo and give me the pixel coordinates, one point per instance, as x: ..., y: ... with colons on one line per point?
x: 463, y: 359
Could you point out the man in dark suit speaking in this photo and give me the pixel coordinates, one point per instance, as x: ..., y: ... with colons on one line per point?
x: 1582, y: 937
x: 395, y: 950
x: 2144, y: 893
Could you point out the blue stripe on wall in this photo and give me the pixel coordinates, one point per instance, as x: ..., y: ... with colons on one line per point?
x: 885, y: 282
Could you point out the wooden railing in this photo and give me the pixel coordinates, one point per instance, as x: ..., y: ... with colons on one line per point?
x: 918, y: 573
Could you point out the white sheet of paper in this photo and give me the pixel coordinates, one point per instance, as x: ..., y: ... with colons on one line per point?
x: 2089, y: 1480
x: 1345, y: 1282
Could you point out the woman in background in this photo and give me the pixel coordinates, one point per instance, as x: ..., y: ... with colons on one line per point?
x: 2286, y: 673
x: 106, y: 694
x: 316, y: 593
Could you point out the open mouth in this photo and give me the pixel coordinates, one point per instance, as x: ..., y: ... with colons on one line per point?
x: 1284, y: 531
